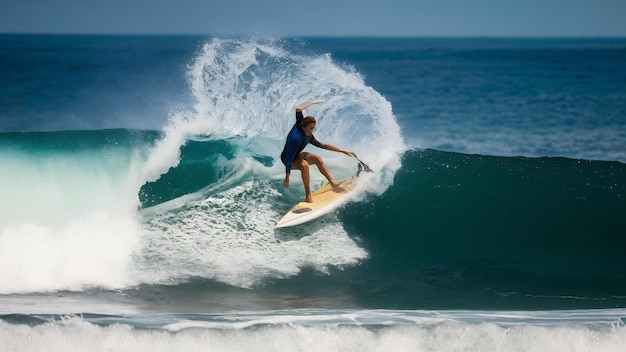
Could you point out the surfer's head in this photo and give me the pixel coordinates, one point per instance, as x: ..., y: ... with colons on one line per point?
x: 308, y: 125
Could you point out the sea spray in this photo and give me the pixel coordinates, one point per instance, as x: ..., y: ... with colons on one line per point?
x: 246, y: 92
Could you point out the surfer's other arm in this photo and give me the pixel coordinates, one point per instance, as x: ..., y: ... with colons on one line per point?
x: 304, y: 106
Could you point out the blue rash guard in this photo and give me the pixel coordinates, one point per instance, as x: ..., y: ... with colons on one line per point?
x: 295, y: 143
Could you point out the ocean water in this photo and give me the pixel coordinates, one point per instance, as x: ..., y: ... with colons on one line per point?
x: 140, y: 182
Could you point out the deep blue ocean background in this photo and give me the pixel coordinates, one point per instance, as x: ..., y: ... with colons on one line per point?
x: 140, y: 184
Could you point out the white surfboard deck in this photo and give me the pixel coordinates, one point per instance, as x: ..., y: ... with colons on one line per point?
x: 325, y: 200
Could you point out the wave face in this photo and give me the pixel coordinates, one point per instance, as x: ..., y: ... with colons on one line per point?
x: 453, y: 230
x: 489, y: 231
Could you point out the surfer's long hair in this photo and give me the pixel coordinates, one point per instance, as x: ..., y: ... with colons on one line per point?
x: 306, y: 121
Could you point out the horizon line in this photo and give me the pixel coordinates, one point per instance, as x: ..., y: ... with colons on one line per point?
x: 346, y: 36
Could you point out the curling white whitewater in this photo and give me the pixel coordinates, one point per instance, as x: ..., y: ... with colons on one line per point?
x: 246, y: 92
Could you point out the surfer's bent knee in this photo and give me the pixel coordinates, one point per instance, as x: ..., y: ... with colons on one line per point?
x: 314, y: 159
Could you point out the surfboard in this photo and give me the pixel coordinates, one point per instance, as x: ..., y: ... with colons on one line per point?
x: 325, y: 200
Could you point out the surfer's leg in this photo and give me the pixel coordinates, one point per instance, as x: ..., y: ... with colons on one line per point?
x: 319, y: 162
x: 301, y: 164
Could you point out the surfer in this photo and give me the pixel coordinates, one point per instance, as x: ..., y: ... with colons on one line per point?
x: 293, y: 157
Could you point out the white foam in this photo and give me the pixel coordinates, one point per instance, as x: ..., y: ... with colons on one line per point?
x: 251, y: 88
x: 229, y: 236
x: 74, y: 334
x: 91, y: 251
x: 67, y: 220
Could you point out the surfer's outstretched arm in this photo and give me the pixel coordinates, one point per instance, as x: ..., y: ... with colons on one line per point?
x: 304, y: 106
x: 339, y: 150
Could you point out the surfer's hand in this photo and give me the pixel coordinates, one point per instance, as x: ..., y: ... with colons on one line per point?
x: 286, y: 181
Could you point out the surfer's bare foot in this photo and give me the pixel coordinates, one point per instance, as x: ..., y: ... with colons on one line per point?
x: 308, y: 199
x: 336, y: 186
